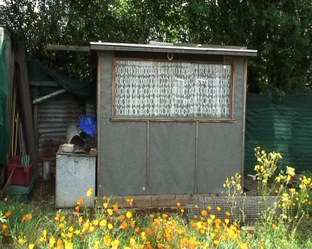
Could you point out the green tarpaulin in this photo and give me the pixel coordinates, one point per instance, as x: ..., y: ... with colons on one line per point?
x: 282, y: 124
x: 4, y: 40
x: 38, y: 71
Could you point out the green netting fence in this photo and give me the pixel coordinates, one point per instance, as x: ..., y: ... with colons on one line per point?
x: 282, y: 124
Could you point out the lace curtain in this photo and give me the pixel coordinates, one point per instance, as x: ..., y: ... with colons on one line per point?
x: 172, y: 89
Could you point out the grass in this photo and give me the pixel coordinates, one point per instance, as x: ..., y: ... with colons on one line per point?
x: 286, y: 224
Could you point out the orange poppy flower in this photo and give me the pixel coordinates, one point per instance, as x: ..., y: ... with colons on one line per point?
x: 4, y: 227
x: 26, y: 217
x: 121, y: 217
x: 204, y: 213
x: 80, y: 201
x: 124, y: 225
x: 8, y: 214
x: 115, y: 207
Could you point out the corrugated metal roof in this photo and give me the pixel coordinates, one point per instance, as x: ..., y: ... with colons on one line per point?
x: 54, y: 117
x: 174, y: 48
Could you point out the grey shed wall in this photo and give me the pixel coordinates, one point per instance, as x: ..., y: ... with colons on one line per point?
x: 167, y: 158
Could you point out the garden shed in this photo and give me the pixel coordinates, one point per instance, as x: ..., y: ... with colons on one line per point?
x: 171, y: 117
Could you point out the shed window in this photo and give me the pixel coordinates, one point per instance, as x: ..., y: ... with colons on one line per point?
x: 151, y: 88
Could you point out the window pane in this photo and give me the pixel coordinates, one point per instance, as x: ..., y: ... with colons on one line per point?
x: 172, y: 89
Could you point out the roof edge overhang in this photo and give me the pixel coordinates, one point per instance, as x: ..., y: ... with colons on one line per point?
x: 183, y: 49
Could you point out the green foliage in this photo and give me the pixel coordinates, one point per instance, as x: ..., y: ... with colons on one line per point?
x: 285, y: 224
x: 291, y: 206
x: 280, y: 30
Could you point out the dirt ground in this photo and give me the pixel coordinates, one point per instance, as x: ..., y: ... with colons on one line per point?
x: 43, y: 191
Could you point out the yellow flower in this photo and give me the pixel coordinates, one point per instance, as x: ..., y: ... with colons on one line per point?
x: 110, y: 211
x: 143, y: 236
x: 128, y: 214
x: 243, y: 246
x: 218, y: 221
x: 216, y: 242
x: 89, y: 192
x: 21, y: 241
x: 31, y: 246
x: 290, y: 171
x: 107, y: 240
x: 70, y: 235
x: 199, y: 224
x: 164, y: 216
x: 69, y: 245
x: 305, y: 183
x: 132, y: 241
x: 59, y: 244
x: 61, y: 226
x: 95, y: 222
x: 115, y: 244
x: 110, y: 226
x: 96, y: 244
x: 278, y: 179
x: 80, y: 220
x: 103, y: 223
x: 292, y: 190
x: 91, y: 229
x: 180, y: 231
x: 105, y: 205
x: 86, y: 226
x: 51, y: 242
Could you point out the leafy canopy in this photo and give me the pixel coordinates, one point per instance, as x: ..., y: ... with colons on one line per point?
x: 281, y: 31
